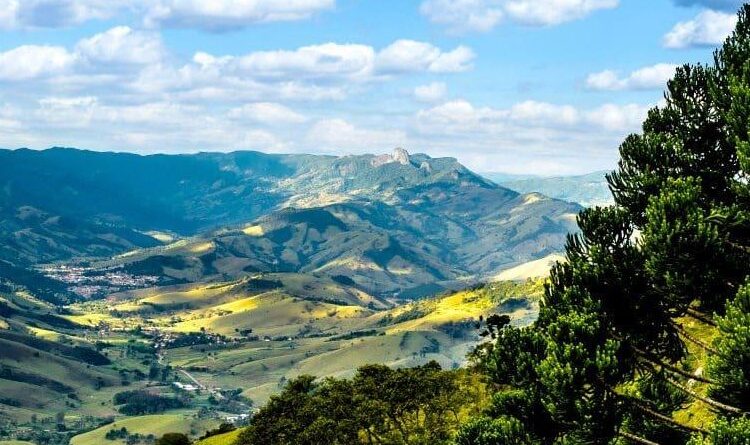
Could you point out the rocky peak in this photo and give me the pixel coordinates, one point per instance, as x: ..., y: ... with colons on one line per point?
x: 401, y: 156
x: 398, y: 155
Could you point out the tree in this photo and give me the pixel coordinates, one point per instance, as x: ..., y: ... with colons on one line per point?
x: 379, y: 405
x: 605, y: 359
x: 730, y: 367
x: 173, y: 439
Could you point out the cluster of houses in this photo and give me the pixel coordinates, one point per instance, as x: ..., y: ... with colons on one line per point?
x: 186, y: 386
x: 88, y: 283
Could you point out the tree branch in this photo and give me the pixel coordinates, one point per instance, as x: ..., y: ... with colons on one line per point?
x: 657, y: 415
x: 700, y: 316
x: 637, y: 439
x: 694, y: 340
x: 706, y: 400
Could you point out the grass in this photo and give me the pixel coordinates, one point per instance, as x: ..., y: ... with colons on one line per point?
x: 697, y: 414
x: 253, y: 231
x: 221, y: 439
x: 318, y: 334
x: 158, y: 425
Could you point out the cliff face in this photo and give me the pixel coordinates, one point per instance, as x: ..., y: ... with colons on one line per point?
x: 399, y: 155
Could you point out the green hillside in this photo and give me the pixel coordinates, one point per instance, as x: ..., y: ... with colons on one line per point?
x: 393, y: 224
x: 254, y: 334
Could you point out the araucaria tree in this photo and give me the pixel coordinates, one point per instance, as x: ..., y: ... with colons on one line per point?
x: 644, y: 331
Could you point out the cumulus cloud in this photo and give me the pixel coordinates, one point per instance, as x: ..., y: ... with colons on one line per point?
x: 410, y: 56
x: 316, y: 61
x: 339, y: 135
x: 431, y: 92
x: 324, y: 66
x: 554, y: 12
x: 708, y: 28
x: 223, y: 15
x: 157, y: 126
x: 464, y: 15
x: 136, y: 63
x: 33, y: 61
x: 267, y: 113
x: 535, y: 113
x: 463, y: 116
x: 725, y: 5
x: 529, y: 136
x: 122, y: 45
x: 484, y: 15
x: 649, y: 77
x: 216, y: 15
x: 15, y: 14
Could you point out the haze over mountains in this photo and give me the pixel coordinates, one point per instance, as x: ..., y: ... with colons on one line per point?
x: 391, y: 224
x: 589, y: 190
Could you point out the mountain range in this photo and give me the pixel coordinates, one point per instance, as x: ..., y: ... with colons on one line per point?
x: 392, y: 224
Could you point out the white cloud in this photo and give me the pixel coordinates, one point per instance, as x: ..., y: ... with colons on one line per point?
x: 725, y: 5
x: 464, y: 15
x: 125, y: 62
x: 533, y: 112
x: 216, y: 15
x: 554, y: 12
x: 455, y: 61
x: 650, y: 77
x: 222, y: 15
x: 462, y: 116
x: 527, y: 137
x: 315, y: 61
x: 19, y: 14
x: 267, y: 113
x: 431, y: 92
x: 122, y: 45
x: 484, y: 15
x: 707, y: 29
x: 410, y: 56
x: 617, y: 117
x: 148, y: 127
x: 32, y: 61
x: 338, y: 135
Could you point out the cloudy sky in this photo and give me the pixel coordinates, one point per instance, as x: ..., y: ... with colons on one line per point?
x: 521, y: 86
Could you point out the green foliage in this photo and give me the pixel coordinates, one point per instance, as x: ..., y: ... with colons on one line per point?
x: 730, y: 367
x: 379, y: 405
x: 726, y: 432
x: 139, y: 402
x: 498, y: 431
x: 606, y: 358
x: 173, y: 439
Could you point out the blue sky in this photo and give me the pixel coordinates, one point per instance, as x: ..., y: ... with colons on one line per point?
x: 522, y: 86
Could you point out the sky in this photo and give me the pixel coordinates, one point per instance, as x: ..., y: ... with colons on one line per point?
x: 547, y: 87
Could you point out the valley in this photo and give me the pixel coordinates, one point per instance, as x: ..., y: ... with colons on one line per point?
x: 219, y: 349
x: 183, y: 291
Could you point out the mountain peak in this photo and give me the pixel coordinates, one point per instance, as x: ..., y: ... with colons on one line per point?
x: 398, y: 155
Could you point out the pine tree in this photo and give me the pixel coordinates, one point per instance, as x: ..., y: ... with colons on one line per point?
x: 730, y: 367
x: 604, y: 363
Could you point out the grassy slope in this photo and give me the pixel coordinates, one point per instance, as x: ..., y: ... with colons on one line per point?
x: 157, y: 425
x: 697, y: 414
x: 221, y: 439
x: 334, y: 340
x: 332, y: 332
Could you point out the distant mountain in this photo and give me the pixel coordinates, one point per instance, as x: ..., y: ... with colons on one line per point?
x: 588, y: 190
x: 392, y: 224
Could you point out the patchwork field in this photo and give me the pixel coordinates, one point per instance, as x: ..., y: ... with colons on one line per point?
x: 244, y: 337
